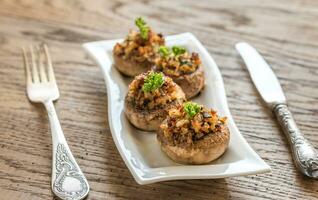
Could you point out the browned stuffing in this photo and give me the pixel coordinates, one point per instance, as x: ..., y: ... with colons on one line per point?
x: 158, y: 98
x: 181, y: 130
x: 138, y: 49
x: 178, y: 65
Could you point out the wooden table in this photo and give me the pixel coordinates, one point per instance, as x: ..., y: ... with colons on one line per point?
x: 285, y: 32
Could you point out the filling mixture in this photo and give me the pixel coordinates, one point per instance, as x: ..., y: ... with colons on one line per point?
x: 152, y: 90
x: 140, y: 46
x: 176, y: 61
x: 189, y: 123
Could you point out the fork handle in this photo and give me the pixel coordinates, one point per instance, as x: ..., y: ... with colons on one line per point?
x: 304, y: 154
x: 68, y: 181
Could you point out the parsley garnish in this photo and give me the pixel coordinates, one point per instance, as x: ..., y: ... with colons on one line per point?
x: 191, y: 108
x: 153, y: 81
x: 164, y: 51
x: 177, y: 50
x: 143, y: 28
x: 174, y: 51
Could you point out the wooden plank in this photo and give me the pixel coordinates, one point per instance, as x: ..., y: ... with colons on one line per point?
x: 284, y: 31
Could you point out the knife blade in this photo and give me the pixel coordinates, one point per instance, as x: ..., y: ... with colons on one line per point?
x: 262, y: 75
x: 304, y: 154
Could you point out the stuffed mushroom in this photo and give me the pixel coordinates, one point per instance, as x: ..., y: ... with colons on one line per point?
x: 192, y: 134
x: 184, y: 68
x: 149, y: 98
x: 136, y: 54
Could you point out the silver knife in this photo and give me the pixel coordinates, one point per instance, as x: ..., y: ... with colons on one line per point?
x: 304, y: 154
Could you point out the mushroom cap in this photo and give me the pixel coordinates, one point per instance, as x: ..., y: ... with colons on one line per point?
x: 149, y: 119
x: 203, y: 151
x: 130, y: 67
x: 135, y: 54
x: 192, y: 83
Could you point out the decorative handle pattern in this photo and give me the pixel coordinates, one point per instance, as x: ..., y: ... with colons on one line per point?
x: 304, y: 154
x: 68, y: 181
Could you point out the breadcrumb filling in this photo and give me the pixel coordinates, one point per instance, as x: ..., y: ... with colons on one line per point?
x: 156, y: 99
x: 136, y: 48
x: 178, y: 65
x: 180, y: 129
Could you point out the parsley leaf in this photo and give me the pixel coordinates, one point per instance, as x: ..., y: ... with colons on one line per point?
x: 177, y: 50
x: 191, y: 108
x: 143, y: 28
x: 164, y: 51
x: 153, y: 81
x: 174, y: 51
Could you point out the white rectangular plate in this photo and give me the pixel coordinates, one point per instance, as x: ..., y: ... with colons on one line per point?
x: 141, y: 151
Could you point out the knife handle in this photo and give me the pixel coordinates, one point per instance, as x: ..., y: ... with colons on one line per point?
x: 304, y: 154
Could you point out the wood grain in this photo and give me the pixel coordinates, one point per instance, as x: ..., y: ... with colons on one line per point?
x: 285, y: 32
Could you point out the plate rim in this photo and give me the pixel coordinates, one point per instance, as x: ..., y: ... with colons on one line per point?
x: 260, y: 167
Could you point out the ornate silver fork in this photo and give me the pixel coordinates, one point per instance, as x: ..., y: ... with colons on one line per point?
x: 68, y: 181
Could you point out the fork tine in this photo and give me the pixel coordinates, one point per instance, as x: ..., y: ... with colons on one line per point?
x: 34, y: 67
x: 43, y: 76
x: 49, y: 64
x: 27, y: 67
